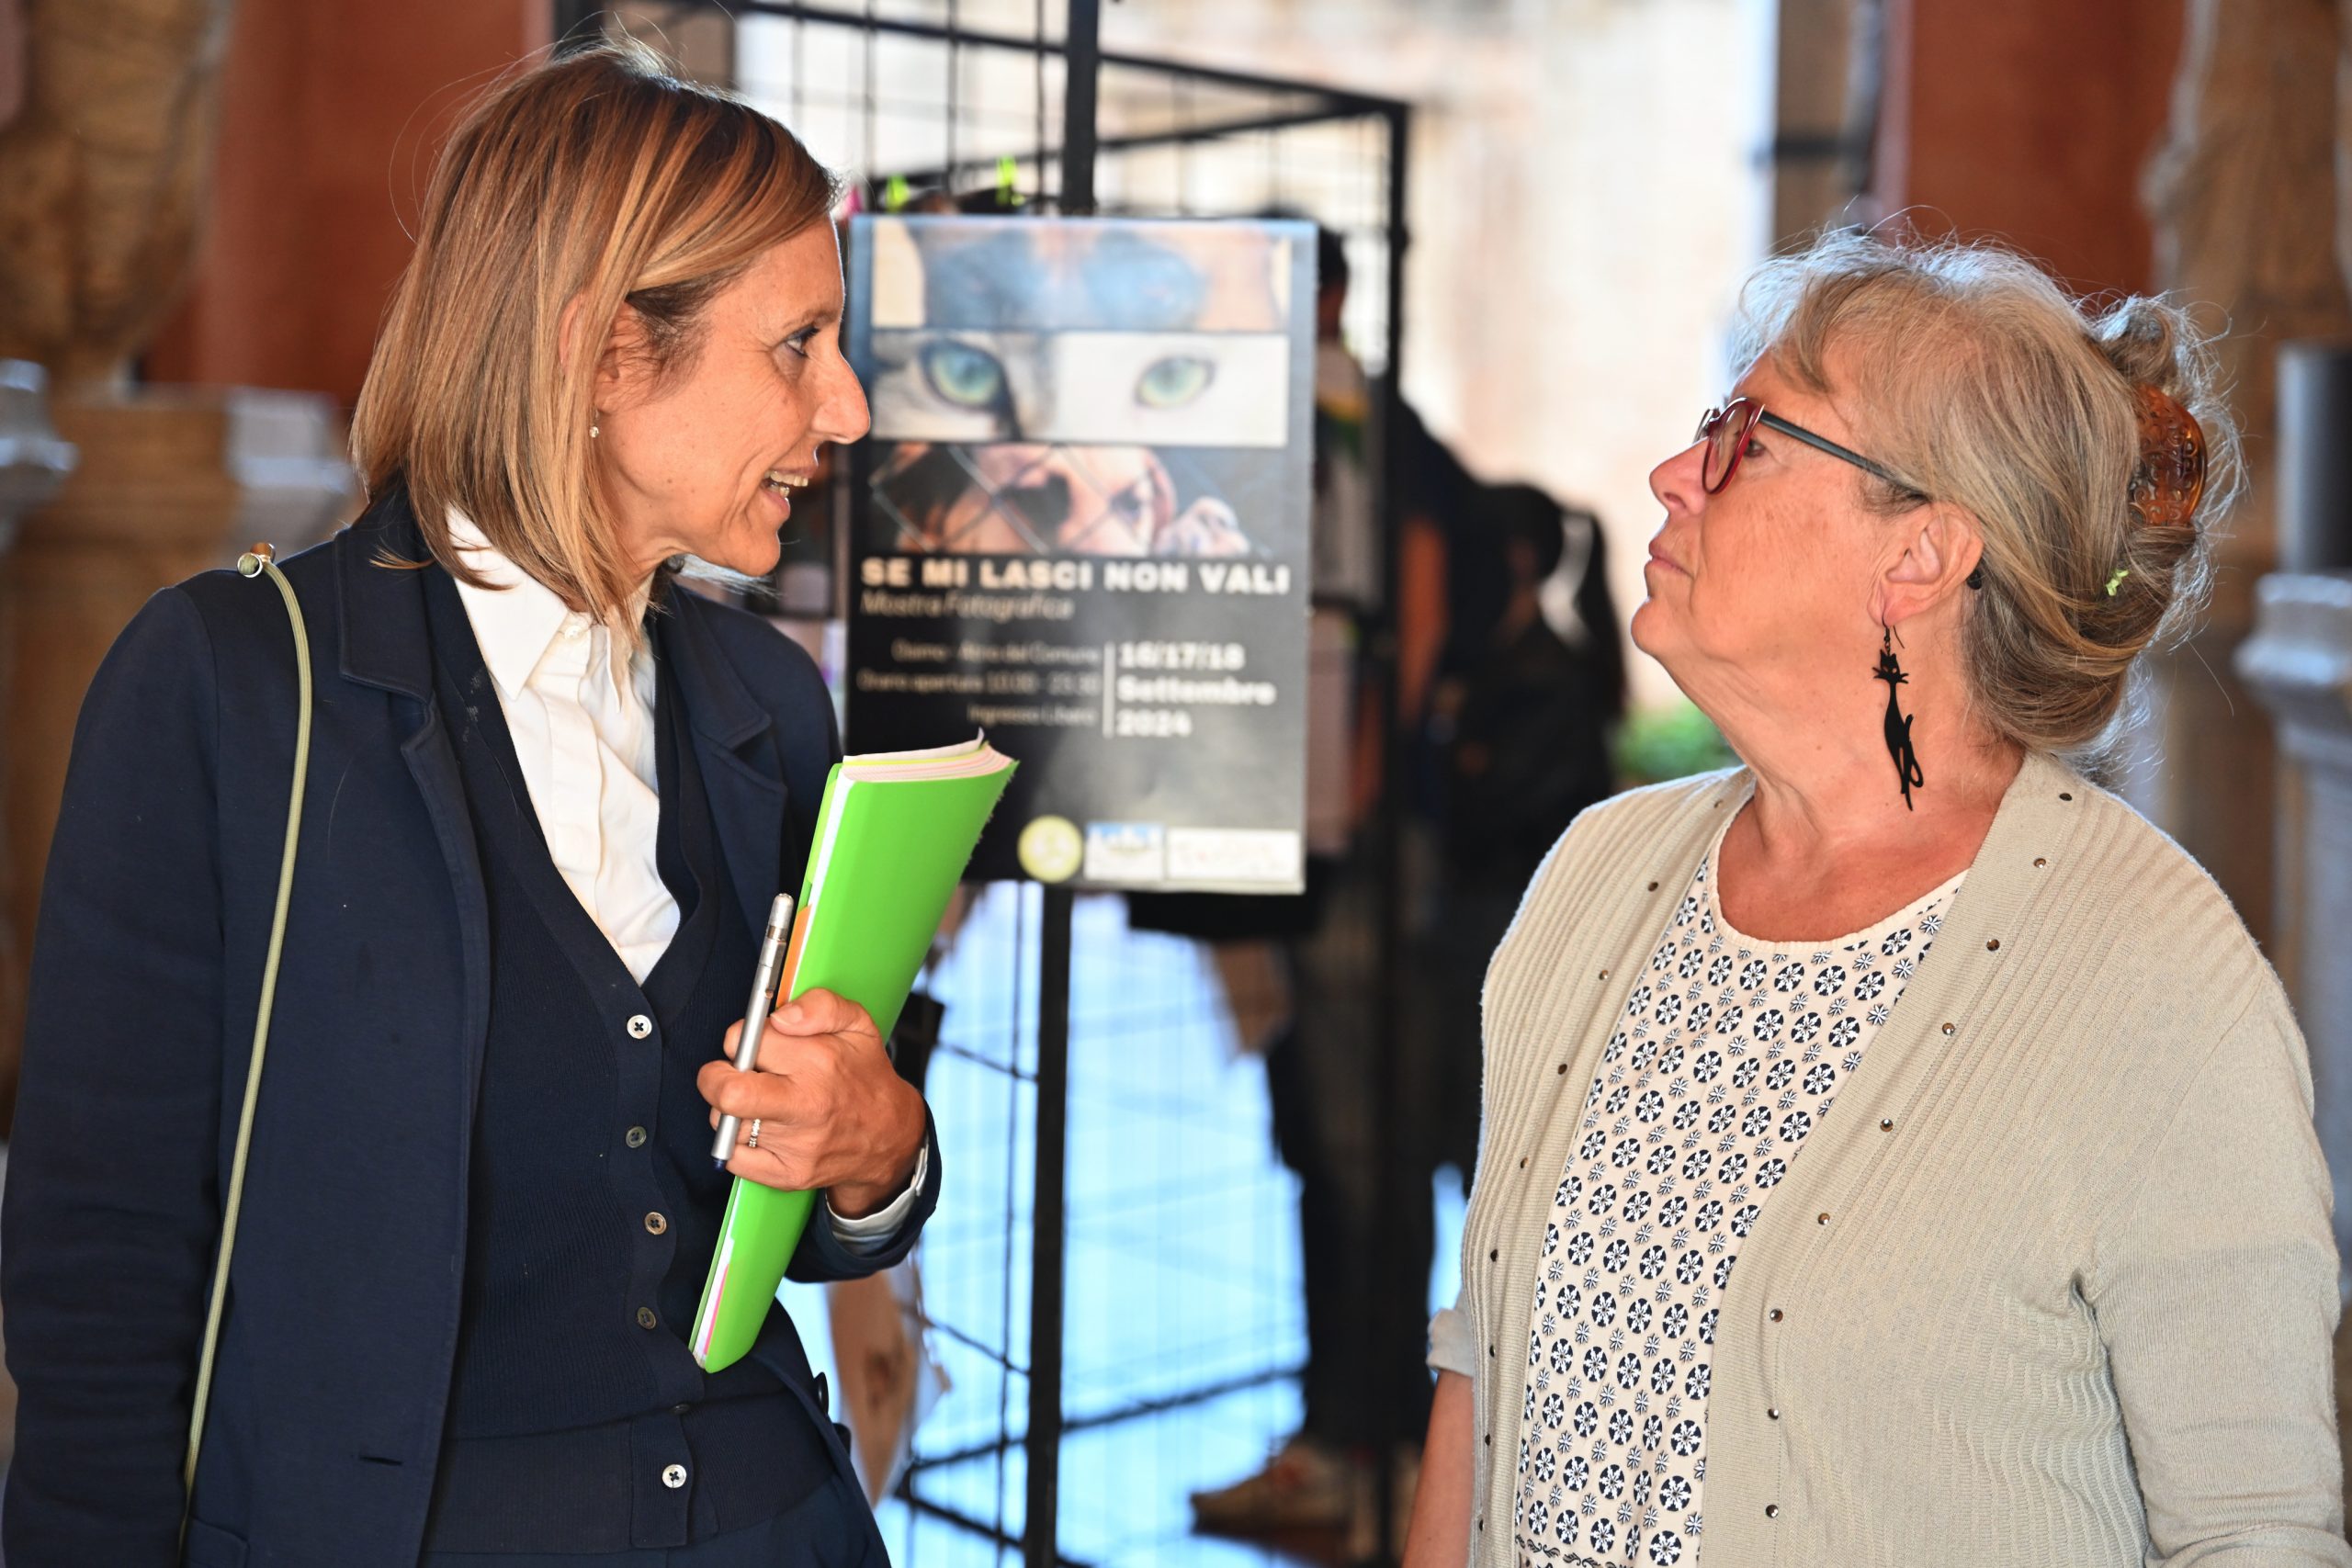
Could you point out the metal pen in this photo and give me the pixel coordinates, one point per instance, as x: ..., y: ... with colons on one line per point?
x: 755, y: 1012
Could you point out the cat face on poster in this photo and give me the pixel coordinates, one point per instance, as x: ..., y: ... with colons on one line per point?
x: 1041, y: 386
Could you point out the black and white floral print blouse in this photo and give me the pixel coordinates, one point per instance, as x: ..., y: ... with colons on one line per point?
x: 1728, y: 1053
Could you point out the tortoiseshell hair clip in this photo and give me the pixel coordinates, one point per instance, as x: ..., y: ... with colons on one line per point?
x: 2170, y: 480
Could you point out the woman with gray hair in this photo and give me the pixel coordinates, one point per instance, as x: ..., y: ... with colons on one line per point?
x: 2058, y: 1285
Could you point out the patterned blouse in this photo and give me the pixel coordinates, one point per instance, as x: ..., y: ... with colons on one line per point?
x: 1729, y: 1052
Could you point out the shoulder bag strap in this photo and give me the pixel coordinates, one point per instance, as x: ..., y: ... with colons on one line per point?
x: 256, y: 561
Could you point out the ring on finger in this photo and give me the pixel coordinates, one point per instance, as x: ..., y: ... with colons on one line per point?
x: 753, y: 1141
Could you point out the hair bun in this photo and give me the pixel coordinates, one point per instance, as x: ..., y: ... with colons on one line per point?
x: 2148, y: 342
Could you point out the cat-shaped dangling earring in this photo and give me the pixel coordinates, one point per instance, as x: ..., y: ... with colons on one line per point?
x: 1898, y: 722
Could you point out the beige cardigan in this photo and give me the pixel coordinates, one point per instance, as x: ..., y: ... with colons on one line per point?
x: 2072, y: 1301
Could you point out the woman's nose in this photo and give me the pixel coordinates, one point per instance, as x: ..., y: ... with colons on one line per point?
x: 1679, y: 482
x: 842, y: 415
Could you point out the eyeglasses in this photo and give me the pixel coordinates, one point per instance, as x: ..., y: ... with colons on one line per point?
x: 1725, y: 432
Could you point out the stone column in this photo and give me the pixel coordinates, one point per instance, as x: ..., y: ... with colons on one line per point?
x: 2244, y: 201
x: 2299, y: 663
x: 34, y: 460
x: 102, y: 180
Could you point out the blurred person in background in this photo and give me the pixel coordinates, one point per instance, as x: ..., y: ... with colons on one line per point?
x: 552, y: 794
x: 1531, y: 683
x: 1301, y: 976
x: 2057, y: 1285
x: 1526, y: 689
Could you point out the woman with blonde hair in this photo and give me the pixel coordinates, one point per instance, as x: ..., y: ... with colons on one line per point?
x: 2057, y: 1285
x: 554, y: 793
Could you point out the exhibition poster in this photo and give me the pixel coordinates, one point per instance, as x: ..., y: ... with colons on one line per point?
x: 1080, y: 526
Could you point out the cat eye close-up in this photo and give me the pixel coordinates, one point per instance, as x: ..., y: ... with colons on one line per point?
x: 969, y: 377
x: 1174, y: 381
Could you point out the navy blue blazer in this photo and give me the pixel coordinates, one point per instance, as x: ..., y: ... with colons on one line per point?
x: 341, y: 1329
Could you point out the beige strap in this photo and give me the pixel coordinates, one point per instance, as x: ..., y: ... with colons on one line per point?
x: 259, y: 559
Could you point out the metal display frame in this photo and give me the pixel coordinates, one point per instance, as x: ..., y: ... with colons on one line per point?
x: 580, y: 22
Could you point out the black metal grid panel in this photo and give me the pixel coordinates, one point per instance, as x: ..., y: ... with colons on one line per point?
x: 1183, y: 1325
x: 909, y: 92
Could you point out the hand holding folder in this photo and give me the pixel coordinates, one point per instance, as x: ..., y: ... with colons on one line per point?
x: 894, y: 833
x: 828, y: 1101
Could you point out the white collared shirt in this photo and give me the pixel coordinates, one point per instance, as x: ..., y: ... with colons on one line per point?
x: 579, y: 706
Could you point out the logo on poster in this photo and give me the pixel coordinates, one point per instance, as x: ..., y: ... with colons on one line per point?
x: 1050, y: 848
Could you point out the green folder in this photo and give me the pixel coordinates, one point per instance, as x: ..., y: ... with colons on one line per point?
x: 894, y: 832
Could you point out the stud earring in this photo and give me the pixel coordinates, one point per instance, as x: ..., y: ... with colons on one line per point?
x: 1898, y: 722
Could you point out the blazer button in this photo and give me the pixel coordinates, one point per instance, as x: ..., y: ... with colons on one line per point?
x: 639, y: 1026
x: 674, y: 1476
x: 645, y: 1318
x: 657, y: 1223
x: 634, y: 1137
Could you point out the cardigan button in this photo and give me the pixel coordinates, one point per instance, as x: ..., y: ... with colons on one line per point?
x: 1771, y: 1510
x: 1774, y: 1413
x: 645, y: 1318
x: 1886, y: 1124
x: 1948, y: 1028
x: 639, y: 1026
x: 1993, y: 945
x: 1821, y: 1219
x: 1495, y: 1255
x: 1774, y: 1315
x: 657, y: 1222
x: 674, y: 1476
x: 634, y: 1137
